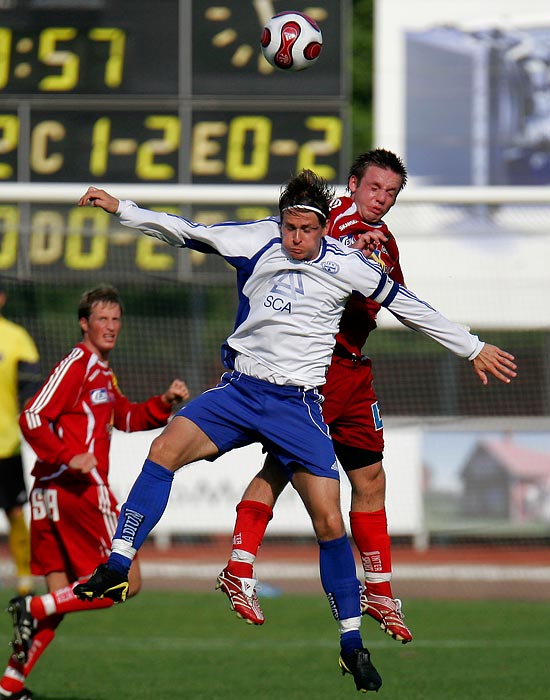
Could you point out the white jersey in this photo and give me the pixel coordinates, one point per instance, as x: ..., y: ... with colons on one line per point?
x: 289, y: 310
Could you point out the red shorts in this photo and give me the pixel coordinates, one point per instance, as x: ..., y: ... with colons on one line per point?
x: 350, y: 408
x: 71, y: 529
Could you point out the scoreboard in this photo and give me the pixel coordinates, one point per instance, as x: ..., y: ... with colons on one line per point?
x: 171, y: 91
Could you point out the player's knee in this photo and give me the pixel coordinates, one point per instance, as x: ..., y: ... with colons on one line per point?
x: 370, y: 478
x: 328, y: 525
x: 163, y: 452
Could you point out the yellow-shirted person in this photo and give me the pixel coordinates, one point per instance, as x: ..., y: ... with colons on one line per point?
x: 19, y: 379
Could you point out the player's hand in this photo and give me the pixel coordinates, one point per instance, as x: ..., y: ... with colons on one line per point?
x: 176, y: 392
x: 99, y: 198
x: 493, y: 360
x: 83, y: 463
x: 369, y: 241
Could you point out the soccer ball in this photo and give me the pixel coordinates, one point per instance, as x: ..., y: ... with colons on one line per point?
x: 291, y: 41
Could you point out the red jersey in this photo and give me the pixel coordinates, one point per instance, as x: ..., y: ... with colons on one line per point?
x: 359, y: 317
x: 75, y: 411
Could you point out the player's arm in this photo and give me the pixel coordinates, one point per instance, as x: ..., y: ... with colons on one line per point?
x: 369, y: 241
x: 232, y: 240
x: 55, y: 397
x: 493, y: 360
x: 490, y: 360
x: 153, y: 413
x: 84, y: 462
x: 176, y: 393
x: 486, y: 359
x: 99, y: 198
x: 420, y: 316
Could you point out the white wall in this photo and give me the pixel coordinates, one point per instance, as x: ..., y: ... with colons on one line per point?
x: 204, y: 494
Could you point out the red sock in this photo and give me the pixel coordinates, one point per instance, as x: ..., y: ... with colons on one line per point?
x: 43, y: 637
x: 64, y: 601
x: 370, y: 533
x: 13, y: 679
x: 252, y: 520
x: 16, y: 673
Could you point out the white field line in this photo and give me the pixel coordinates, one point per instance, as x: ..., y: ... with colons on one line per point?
x: 183, y: 643
x: 267, y: 571
x: 282, y: 571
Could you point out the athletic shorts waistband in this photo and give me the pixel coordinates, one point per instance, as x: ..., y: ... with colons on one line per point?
x: 288, y: 389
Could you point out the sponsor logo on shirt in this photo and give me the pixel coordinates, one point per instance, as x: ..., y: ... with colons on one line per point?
x: 99, y: 396
x: 286, y: 286
x: 330, y: 266
x: 348, y: 239
x: 347, y: 224
x: 277, y: 304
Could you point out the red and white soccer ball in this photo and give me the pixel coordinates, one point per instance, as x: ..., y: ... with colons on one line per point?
x: 291, y: 41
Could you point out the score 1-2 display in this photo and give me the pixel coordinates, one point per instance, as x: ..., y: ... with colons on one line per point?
x: 143, y: 146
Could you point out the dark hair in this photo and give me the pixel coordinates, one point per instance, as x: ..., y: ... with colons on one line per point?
x: 105, y: 293
x: 307, y: 190
x: 381, y: 158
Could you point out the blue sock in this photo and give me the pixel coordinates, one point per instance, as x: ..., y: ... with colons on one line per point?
x: 340, y: 583
x: 143, y: 509
x: 350, y: 641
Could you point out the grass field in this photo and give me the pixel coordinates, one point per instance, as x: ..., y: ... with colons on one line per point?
x: 162, y: 646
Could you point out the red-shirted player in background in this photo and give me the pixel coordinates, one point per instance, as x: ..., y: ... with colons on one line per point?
x: 68, y: 423
x: 350, y: 409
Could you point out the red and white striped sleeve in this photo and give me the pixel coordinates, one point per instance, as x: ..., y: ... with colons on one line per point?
x: 54, y: 398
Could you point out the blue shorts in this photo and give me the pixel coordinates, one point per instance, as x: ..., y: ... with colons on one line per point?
x: 286, y: 420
